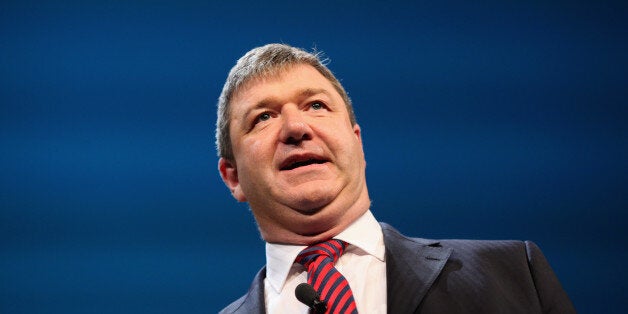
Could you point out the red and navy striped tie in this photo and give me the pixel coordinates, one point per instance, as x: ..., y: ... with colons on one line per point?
x: 332, y: 286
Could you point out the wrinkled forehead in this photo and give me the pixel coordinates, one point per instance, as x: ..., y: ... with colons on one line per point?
x: 256, y: 85
x: 270, y: 74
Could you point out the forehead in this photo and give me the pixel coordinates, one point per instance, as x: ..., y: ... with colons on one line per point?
x: 282, y: 84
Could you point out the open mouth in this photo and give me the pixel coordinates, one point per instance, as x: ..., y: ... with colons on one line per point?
x: 302, y: 163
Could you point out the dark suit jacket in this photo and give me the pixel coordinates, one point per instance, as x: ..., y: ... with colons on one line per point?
x: 455, y: 276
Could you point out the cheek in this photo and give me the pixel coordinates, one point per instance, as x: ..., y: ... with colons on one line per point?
x: 256, y: 152
x: 255, y: 147
x: 343, y: 138
x: 350, y: 149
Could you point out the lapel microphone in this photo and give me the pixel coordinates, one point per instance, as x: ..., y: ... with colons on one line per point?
x: 308, y: 296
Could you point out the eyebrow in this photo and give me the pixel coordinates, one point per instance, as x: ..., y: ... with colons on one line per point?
x: 308, y: 92
x: 300, y: 94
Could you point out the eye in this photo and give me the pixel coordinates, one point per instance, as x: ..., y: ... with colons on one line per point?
x: 263, y: 117
x: 317, y: 105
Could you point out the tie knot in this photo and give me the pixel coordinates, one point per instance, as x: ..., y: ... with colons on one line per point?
x: 330, y: 249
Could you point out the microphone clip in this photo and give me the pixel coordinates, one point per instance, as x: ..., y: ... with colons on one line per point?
x: 318, y: 306
x: 308, y: 296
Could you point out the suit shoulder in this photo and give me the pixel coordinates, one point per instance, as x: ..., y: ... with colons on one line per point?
x: 484, y: 244
x: 458, y: 243
x: 253, y: 300
x: 234, y: 306
x: 469, y: 249
x: 488, y: 249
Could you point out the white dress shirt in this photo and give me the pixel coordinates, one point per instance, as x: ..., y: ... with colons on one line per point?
x: 362, y: 264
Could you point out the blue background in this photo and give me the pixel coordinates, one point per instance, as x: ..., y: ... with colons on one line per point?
x: 491, y: 120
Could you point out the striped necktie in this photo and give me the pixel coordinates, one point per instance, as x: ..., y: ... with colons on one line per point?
x: 332, y: 286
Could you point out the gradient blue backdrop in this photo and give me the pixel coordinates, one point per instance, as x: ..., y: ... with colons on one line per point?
x: 492, y: 120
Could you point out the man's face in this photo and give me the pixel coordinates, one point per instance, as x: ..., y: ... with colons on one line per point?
x: 298, y: 160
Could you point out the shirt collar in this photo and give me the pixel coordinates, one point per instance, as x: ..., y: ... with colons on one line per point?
x: 364, y: 233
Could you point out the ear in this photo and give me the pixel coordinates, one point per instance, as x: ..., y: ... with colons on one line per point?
x: 229, y: 174
x: 358, y: 132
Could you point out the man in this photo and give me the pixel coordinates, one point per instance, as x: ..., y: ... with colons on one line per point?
x: 290, y: 146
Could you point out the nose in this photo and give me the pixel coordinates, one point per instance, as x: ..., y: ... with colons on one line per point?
x: 294, y: 128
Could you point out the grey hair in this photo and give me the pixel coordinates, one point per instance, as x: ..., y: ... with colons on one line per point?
x: 263, y: 62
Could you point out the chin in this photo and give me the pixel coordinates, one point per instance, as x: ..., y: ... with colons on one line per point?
x: 310, y: 205
x: 310, y: 198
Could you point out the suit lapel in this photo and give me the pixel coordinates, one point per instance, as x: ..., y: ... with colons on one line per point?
x: 412, y: 265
